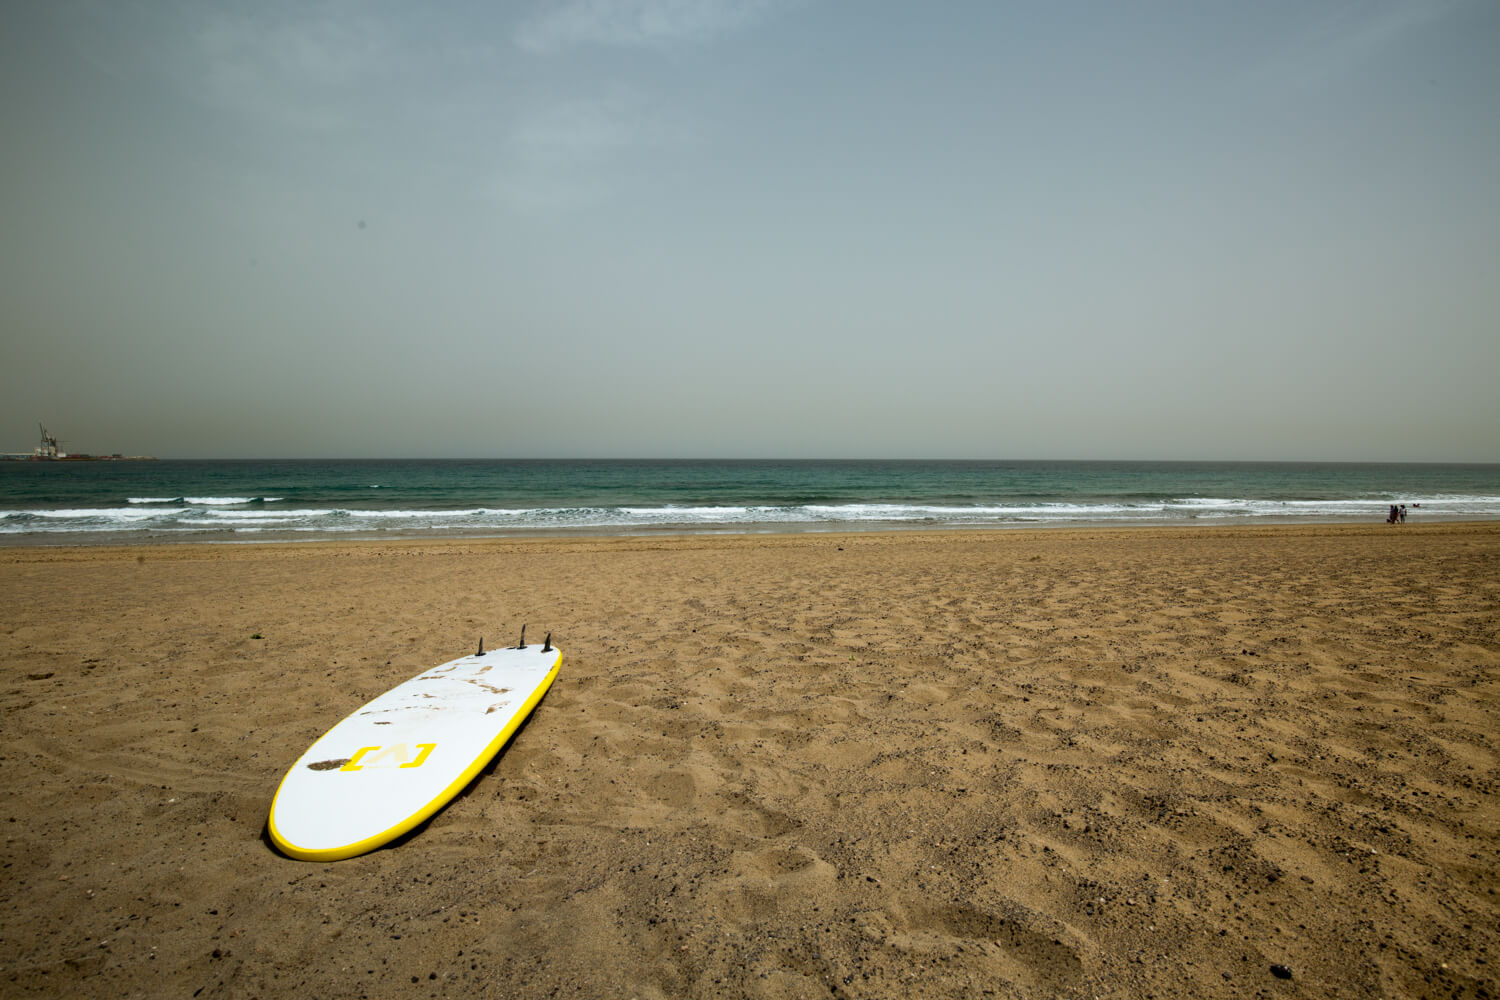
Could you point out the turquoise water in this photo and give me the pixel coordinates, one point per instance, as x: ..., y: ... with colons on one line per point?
x: 111, y: 502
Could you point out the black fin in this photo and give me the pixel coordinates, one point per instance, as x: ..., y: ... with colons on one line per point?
x: 522, y: 643
x: 547, y: 645
x: 481, y: 647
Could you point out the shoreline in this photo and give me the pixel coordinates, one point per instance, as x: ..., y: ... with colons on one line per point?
x: 87, y: 540
x: 1062, y: 762
x: 666, y: 540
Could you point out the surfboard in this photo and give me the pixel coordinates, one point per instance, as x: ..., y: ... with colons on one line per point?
x: 397, y: 760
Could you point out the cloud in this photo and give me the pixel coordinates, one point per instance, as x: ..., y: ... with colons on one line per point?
x: 296, y: 71
x: 635, y: 23
x: 1347, y: 40
x: 563, y: 154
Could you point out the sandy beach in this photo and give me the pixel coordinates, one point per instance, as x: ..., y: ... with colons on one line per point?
x: 1215, y: 762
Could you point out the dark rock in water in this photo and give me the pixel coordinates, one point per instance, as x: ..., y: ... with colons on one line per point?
x: 1281, y: 972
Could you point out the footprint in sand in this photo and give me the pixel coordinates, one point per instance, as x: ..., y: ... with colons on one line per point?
x: 1017, y: 948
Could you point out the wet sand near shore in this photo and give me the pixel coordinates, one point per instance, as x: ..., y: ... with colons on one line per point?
x: 1210, y: 762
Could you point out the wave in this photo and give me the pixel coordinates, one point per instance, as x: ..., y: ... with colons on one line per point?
x: 204, y: 501
x: 126, y: 514
x: 212, y: 517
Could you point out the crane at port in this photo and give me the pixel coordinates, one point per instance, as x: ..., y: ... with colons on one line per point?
x: 49, y: 448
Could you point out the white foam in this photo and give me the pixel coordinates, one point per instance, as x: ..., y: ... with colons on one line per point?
x: 280, y: 515
x: 121, y: 514
x: 398, y: 515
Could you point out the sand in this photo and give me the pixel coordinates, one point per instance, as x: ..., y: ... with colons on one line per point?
x: 1117, y: 763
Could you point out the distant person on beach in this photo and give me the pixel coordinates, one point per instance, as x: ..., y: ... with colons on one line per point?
x: 1391, y: 517
x: 1403, y: 513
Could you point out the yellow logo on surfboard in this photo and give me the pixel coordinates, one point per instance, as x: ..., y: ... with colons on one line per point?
x: 395, y: 755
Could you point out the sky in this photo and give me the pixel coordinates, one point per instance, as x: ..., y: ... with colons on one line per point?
x: 1073, y: 229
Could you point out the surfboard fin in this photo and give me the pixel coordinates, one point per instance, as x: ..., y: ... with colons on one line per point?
x: 481, y: 647
x: 522, y: 643
x: 547, y: 643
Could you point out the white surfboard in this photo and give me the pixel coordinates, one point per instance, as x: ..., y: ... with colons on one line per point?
x: 399, y: 759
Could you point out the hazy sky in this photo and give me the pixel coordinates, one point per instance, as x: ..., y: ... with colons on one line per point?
x: 781, y: 228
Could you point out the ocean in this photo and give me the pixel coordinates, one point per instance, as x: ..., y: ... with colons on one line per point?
x: 241, y: 501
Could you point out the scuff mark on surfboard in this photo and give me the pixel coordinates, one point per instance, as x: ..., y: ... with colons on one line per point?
x: 328, y: 765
